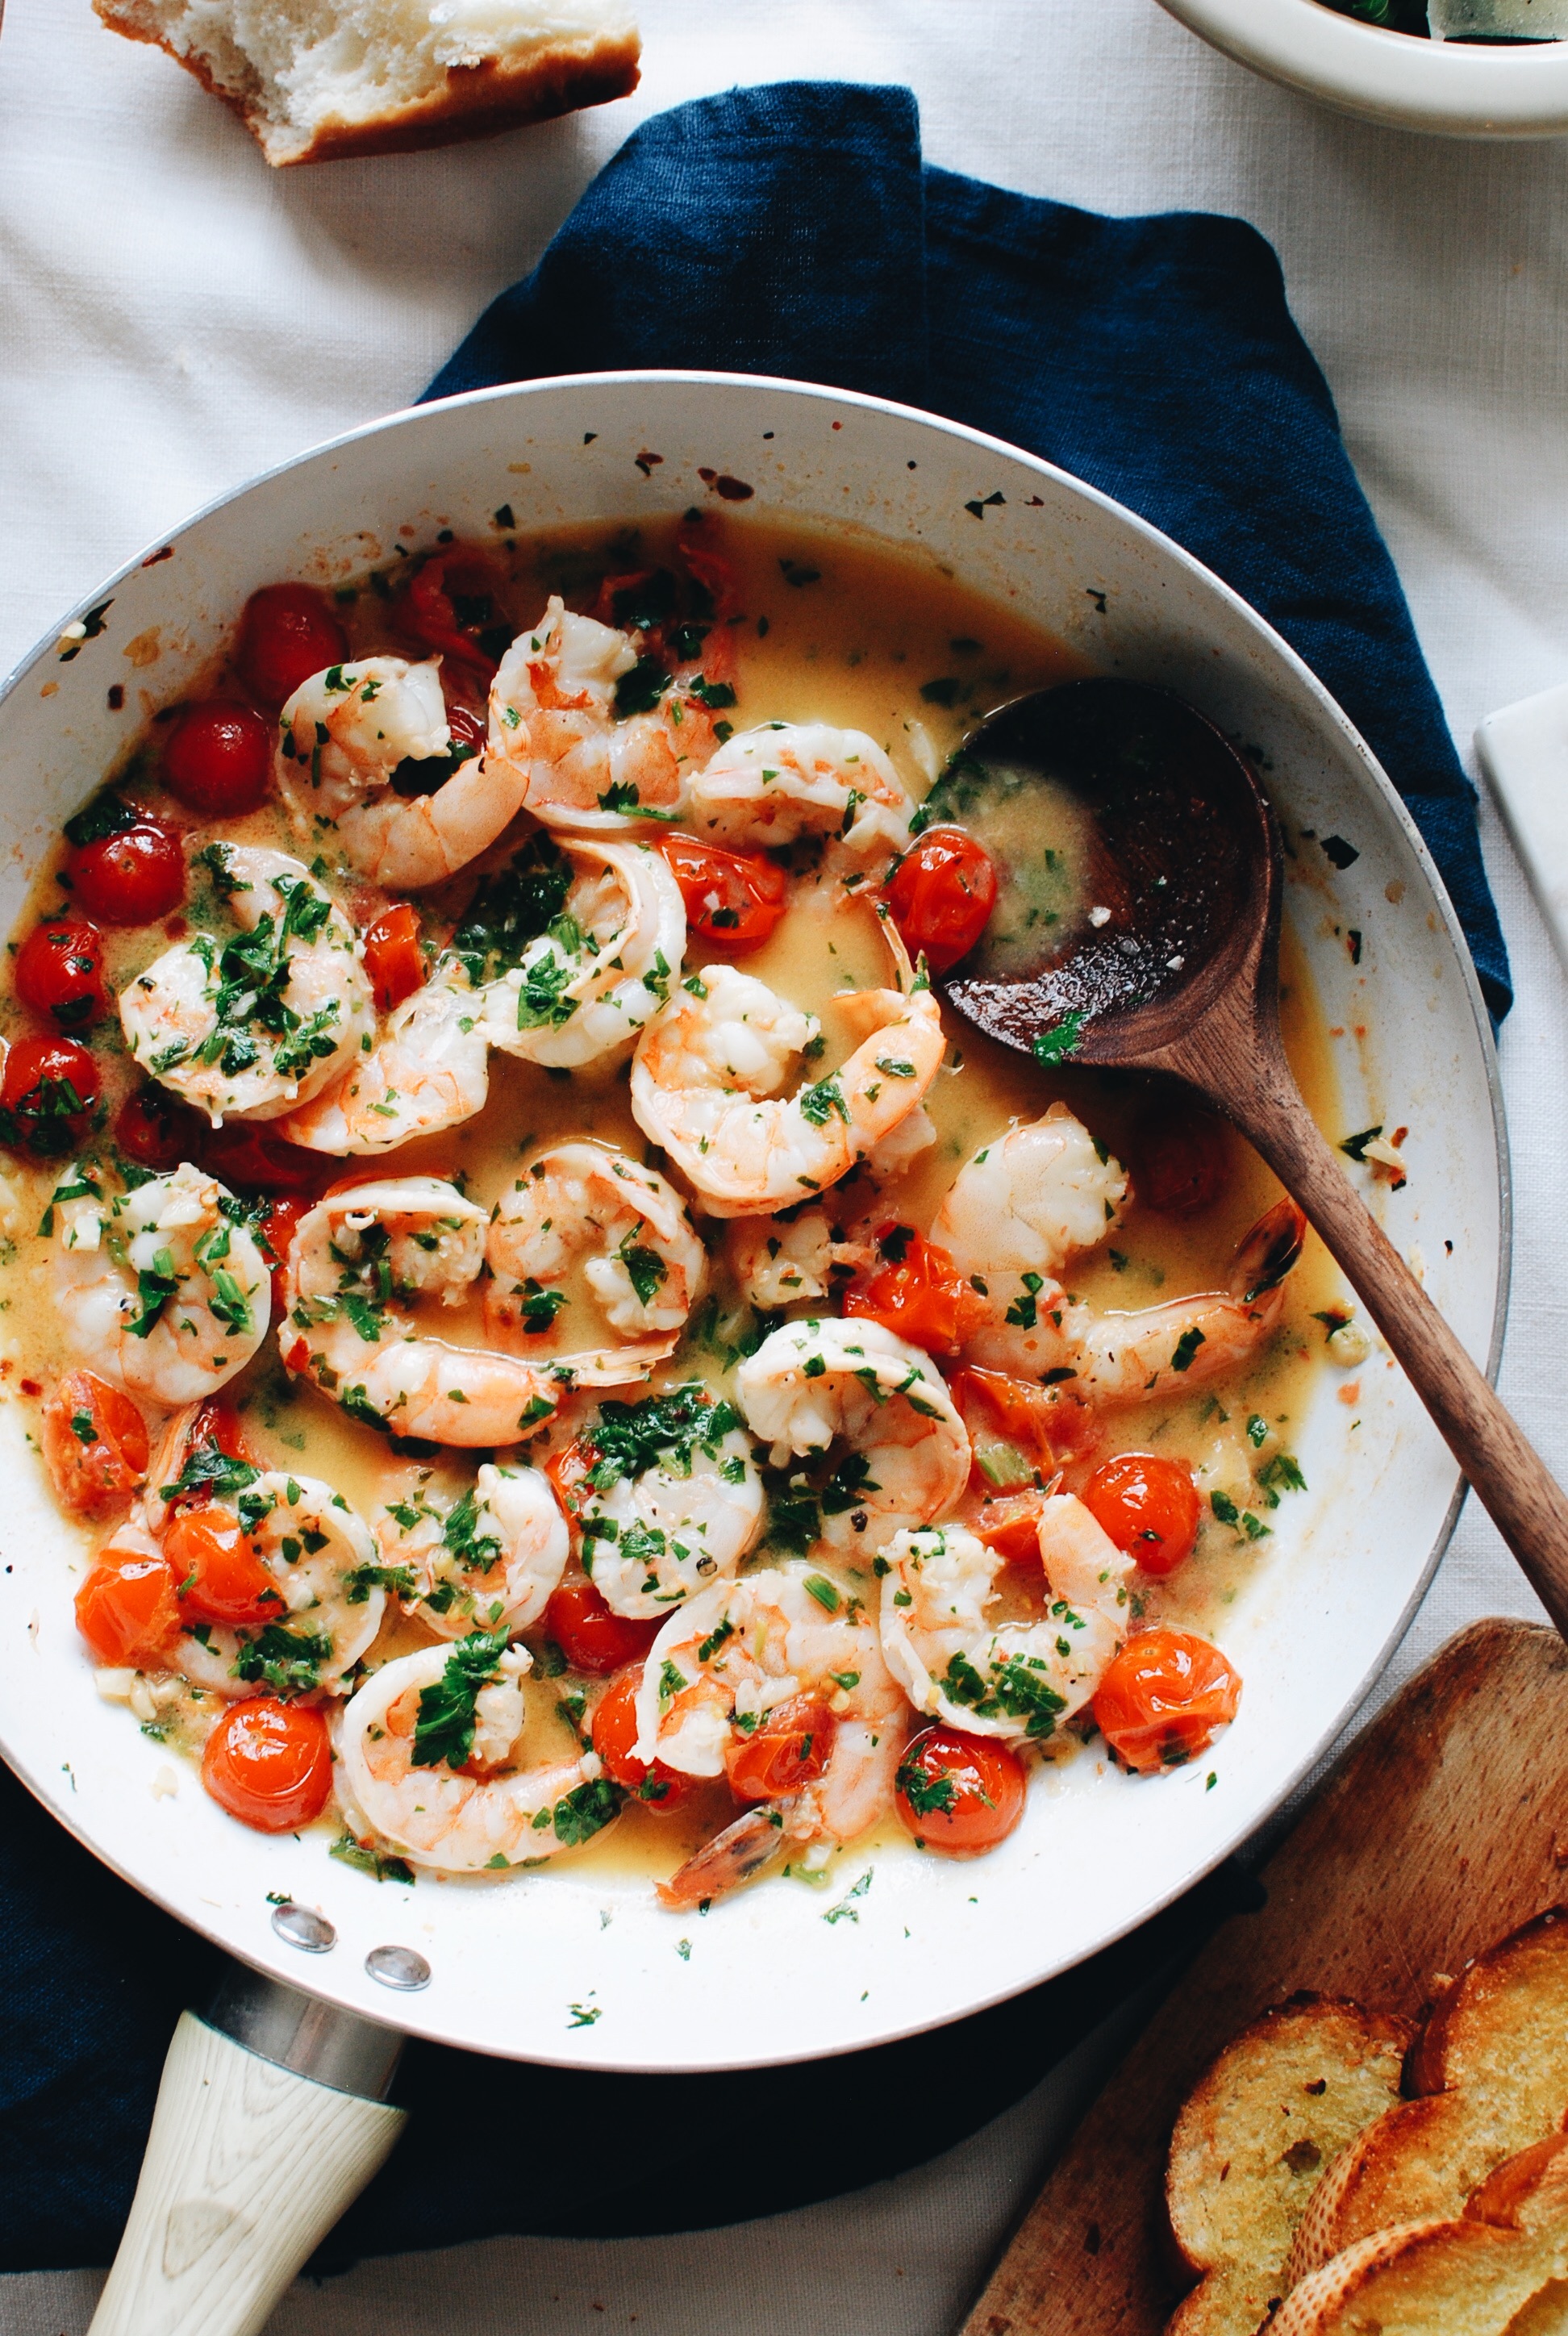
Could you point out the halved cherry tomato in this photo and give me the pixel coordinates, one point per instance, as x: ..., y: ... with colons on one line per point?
x: 589, y: 1635
x: 451, y: 600
x: 941, y: 894
x: 288, y: 633
x: 94, y: 1444
x: 1149, y: 1506
x: 960, y: 1793
x: 1179, y: 1151
x: 129, y: 879
x: 1162, y: 1699
x: 1011, y: 1526
x: 393, y: 959
x: 275, y: 1232
x: 1011, y: 1424
x: 126, y: 1609
x: 269, y: 1764
x: 919, y: 1292
x: 615, y: 1734
x: 157, y: 1131
x: 60, y: 972
x: 789, y: 1747
x: 732, y: 898
x: 218, y: 1576
x: 50, y: 1085
x: 218, y: 757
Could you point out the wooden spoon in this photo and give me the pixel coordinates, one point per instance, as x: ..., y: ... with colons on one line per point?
x: 1172, y: 832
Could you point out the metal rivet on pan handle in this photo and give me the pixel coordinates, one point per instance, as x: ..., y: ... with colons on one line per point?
x: 399, y: 1967
x: 304, y: 1928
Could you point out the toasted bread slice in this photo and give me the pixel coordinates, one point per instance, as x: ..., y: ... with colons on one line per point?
x: 1500, y: 2268
x: 1253, y: 2136
x: 1492, y: 2066
x: 315, y: 80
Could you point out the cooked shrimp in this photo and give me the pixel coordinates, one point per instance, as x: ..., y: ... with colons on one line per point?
x: 488, y: 1559
x: 1018, y: 1679
x: 585, y: 1204
x: 322, y: 1556
x: 786, y: 1261
x: 703, y: 1066
x: 247, y: 1029
x: 812, y: 1383
x: 421, y: 1799
x: 743, y: 1650
x: 428, y: 1068
x: 793, y: 778
x: 671, y: 1504
x: 157, y: 1288
x: 355, y: 1263
x: 602, y: 966
x: 553, y: 715
x: 346, y: 735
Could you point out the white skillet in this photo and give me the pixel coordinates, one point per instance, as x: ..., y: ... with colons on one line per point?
x: 768, y: 1978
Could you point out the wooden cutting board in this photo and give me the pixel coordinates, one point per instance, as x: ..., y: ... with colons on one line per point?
x: 1444, y: 1826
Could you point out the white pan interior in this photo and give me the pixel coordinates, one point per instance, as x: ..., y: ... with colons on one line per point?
x: 767, y: 1978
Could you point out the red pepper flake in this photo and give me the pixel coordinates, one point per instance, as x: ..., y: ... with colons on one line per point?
x: 116, y: 697
x: 646, y: 462
x: 153, y: 558
x: 30, y: 1387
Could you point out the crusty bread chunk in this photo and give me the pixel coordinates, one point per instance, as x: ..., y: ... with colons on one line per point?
x: 1500, y: 2268
x: 313, y: 79
x: 1492, y: 2066
x: 1255, y: 2135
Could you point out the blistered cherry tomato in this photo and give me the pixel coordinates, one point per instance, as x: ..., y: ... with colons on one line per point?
x: 941, y: 894
x: 126, y: 1610
x: 451, y: 600
x: 1179, y: 1152
x: 1148, y: 1505
x: 1011, y: 1526
x: 217, y: 757
x: 919, y: 1292
x: 94, y: 1442
x: 269, y: 1764
x: 275, y: 1232
x: 129, y: 879
x: 1012, y: 1425
x: 157, y: 1131
x: 393, y: 959
x: 288, y: 633
x: 49, y: 1088
x: 732, y: 899
x: 614, y: 1736
x: 589, y: 1635
x: 60, y: 972
x: 1162, y: 1698
x: 218, y: 1576
x: 960, y: 1793
x: 789, y: 1745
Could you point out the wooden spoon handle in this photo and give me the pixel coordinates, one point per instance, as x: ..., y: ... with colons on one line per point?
x: 1528, y: 1507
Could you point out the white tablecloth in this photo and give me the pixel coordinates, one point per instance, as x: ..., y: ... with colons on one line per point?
x: 176, y: 317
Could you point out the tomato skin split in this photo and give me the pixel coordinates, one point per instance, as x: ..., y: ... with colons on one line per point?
x: 614, y: 1735
x: 941, y: 894
x: 94, y: 1444
x: 287, y: 633
x: 920, y: 1294
x: 790, y: 1746
x: 960, y: 1795
x: 1149, y: 1506
x: 127, y: 1611
x: 218, y: 757
x: 1163, y: 1698
x: 589, y: 1635
x: 269, y: 1764
x: 733, y: 899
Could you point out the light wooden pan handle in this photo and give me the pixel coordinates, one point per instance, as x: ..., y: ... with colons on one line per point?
x: 249, y: 2164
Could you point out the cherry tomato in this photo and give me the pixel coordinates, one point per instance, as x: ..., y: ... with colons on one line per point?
x: 393, y: 959
x: 1148, y: 1505
x: 156, y: 1130
x: 129, y: 879
x: 250, y: 1159
x: 215, y: 1428
x: 269, y: 1764
x: 920, y: 1293
x: 218, y: 757
x: 275, y: 1232
x: 589, y: 1635
x: 60, y: 972
x: 126, y: 1609
x: 615, y: 1734
x: 960, y: 1793
x: 1180, y: 1151
x: 218, y: 1576
x: 789, y: 1747
x: 288, y: 633
x: 468, y: 729
x: 1011, y: 1525
x: 94, y: 1442
x: 1162, y: 1698
x: 1012, y: 1425
x: 941, y: 894
x: 733, y: 898
x: 451, y: 601
x: 49, y: 1088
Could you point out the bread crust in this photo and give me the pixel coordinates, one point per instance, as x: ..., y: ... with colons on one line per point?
x: 477, y: 100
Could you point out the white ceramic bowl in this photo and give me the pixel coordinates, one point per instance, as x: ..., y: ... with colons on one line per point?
x: 1448, y: 86
x: 768, y: 1978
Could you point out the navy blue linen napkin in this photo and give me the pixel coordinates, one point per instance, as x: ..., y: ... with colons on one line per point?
x: 790, y: 230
